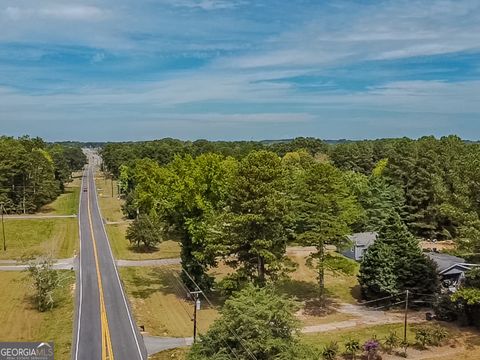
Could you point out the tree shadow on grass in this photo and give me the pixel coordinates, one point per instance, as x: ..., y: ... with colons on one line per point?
x: 167, y: 282
x: 356, y: 292
x: 156, y: 280
x: 143, y: 249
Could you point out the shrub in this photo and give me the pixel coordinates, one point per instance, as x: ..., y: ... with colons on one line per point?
x: 371, y: 348
x: 45, y: 281
x: 423, y: 336
x: 430, y: 335
x: 352, y: 346
x: 439, y: 334
x: 391, y: 341
x: 330, y: 351
x: 445, y: 308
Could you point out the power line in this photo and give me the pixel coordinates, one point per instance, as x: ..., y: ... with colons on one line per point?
x: 240, y: 340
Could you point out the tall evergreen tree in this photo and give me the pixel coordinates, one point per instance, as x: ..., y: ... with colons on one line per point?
x: 325, y: 209
x: 395, y: 263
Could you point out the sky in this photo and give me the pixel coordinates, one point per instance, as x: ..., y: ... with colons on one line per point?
x: 115, y: 70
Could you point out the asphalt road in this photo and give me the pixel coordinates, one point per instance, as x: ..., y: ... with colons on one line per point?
x: 104, y: 326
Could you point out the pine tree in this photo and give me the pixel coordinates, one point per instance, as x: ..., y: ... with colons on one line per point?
x: 395, y: 263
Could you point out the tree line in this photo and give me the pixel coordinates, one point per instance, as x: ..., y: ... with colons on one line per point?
x: 33, y: 173
x: 432, y: 184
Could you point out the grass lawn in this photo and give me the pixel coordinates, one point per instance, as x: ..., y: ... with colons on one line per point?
x: 22, y: 322
x: 122, y: 250
x: 110, y: 206
x: 461, y: 343
x: 159, y: 303
x: 66, y: 203
x: 28, y: 238
x: 177, y: 354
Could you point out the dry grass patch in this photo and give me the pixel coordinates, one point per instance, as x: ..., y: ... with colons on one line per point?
x: 160, y: 304
x: 22, y: 322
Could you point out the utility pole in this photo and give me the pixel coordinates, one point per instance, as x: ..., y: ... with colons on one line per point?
x: 2, y: 209
x: 196, y: 307
x: 111, y: 178
x: 406, y: 318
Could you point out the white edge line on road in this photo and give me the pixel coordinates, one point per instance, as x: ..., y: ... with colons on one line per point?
x: 116, y: 271
x: 79, y: 267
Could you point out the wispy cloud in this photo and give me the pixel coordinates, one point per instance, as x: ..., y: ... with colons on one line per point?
x: 306, y: 67
x: 59, y: 12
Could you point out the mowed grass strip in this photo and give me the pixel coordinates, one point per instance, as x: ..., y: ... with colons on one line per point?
x: 66, y: 203
x: 109, y: 203
x: 177, y: 354
x: 22, y: 322
x: 123, y: 250
x: 159, y: 302
x: 29, y: 238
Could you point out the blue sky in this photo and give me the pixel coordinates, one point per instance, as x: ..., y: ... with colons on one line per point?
x: 239, y: 69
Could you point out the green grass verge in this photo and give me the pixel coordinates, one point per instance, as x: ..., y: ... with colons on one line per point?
x: 110, y: 206
x: 66, y: 203
x: 22, y: 322
x: 177, y: 354
x: 159, y: 302
x: 29, y: 238
x: 122, y: 250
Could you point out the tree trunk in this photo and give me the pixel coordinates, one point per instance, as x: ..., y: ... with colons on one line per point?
x: 321, y: 274
x: 261, y: 270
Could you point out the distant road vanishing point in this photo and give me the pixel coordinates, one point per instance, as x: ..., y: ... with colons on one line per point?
x: 104, y: 325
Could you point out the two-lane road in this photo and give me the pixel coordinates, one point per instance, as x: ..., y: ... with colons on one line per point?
x: 104, y: 326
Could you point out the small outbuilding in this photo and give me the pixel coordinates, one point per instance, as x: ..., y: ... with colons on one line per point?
x: 360, y: 243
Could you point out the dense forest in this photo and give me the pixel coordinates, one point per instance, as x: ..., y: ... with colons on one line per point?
x: 33, y: 173
x: 245, y: 201
x: 433, y: 184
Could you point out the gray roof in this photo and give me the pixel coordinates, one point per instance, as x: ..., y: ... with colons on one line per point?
x: 444, y: 261
x: 363, y: 239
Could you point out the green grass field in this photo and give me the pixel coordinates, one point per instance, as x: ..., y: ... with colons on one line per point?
x: 122, y: 250
x: 29, y: 238
x: 22, y: 322
x: 110, y: 204
x: 66, y: 203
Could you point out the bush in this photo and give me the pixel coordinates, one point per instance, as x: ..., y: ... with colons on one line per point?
x: 444, y: 308
x: 430, y: 335
x: 45, y: 281
x: 330, y: 351
x: 371, y: 348
x: 391, y: 342
x: 352, y: 346
x: 439, y: 334
x: 422, y: 336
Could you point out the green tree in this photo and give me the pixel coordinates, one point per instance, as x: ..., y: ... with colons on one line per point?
x: 325, y: 209
x: 45, y: 281
x: 254, y: 225
x: 395, y: 263
x: 255, y: 321
x: 145, y: 232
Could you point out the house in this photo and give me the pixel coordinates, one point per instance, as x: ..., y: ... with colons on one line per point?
x: 360, y: 243
x: 451, y: 269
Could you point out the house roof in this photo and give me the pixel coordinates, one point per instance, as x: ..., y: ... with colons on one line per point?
x: 444, y: 261
x: 363, y: 239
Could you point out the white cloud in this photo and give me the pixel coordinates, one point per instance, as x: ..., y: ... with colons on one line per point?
x: 207, y: 4
x: 58, y: 12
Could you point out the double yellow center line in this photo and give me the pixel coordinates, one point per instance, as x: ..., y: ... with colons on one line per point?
x: 107, y: 351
